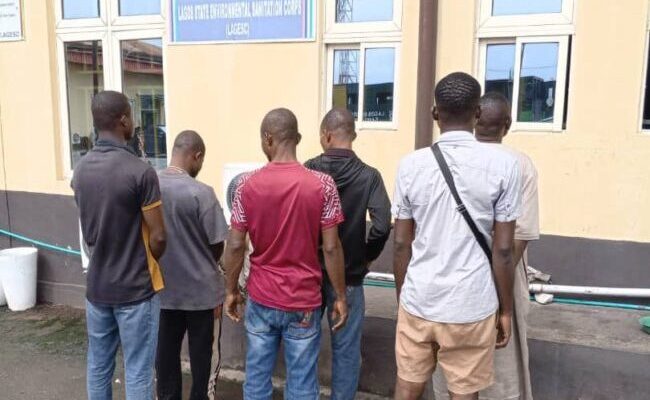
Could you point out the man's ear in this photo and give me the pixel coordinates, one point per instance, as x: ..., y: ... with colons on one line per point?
x: 298, y: 138
x: 198, y: 155
x: 477, y: 115
x: 435, y: 113
x: 508, y: 123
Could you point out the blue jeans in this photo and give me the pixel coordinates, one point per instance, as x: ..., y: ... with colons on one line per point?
x: 300, y: 332
x: 136, y: 328
x: 346, y: 343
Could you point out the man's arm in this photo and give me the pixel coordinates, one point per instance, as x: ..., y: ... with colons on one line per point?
x: 233, y: 264
x: 404, y: 236
x: 518, y: 249
x: 153, y: 218
x: 379, y: 210
x: 503, y: 268
x: 217, y: 251
x: 333, y: 255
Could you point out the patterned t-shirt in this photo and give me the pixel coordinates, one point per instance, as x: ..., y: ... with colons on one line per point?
x: 284, y: 207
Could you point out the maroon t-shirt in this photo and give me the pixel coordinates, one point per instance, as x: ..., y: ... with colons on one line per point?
x: 284, y: 207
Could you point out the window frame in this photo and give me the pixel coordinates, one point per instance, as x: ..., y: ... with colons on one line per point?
x: 503, y: 25
x: 362, y: 47
x: 646, y: 81
x: 362, y: 29
x: 110, y: 28
x: 560, y: 81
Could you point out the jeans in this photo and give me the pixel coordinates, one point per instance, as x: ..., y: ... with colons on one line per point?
x: 136, y: 328
x: 300, y: 332
x: 199, y: 326
x: 346, y: 343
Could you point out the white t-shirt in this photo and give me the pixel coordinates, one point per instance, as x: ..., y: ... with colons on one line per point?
x: 449, y: 278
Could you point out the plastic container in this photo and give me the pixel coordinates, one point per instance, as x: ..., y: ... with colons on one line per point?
x: 3, y: 299
x: 18, y: 277
x: 645, y: 324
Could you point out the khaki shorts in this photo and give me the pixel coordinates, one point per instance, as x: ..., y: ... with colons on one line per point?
x: 465, y: 352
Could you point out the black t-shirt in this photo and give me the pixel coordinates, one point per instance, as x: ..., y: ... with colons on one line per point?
x: 112, y: 187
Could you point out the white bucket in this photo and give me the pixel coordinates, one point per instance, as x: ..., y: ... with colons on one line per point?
x: 18, y: 277
x: 3, y: 299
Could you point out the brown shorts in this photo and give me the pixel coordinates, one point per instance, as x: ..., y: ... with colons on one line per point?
x: 465, y: 352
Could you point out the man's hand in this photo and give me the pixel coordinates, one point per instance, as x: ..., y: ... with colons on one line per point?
x: 233, y: 301
x: 218, y: 312
x: 340, y: 313
x: 504, y: 330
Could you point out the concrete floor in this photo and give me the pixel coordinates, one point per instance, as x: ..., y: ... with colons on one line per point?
x: 42, y: 357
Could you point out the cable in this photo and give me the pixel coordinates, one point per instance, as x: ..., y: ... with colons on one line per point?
x: 40, y: 244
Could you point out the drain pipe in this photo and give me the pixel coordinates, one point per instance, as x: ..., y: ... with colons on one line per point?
x: 589, y: 290
x: 556, y: 289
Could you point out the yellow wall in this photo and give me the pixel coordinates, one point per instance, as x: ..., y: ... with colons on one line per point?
x: 223, y: 91
x: 29, y: 106
x: 595, y: 176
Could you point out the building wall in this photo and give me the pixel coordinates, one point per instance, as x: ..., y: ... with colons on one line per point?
x: 593, y: 176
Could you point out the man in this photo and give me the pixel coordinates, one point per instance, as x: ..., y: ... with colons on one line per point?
x: 285, y: 208
x: 512, y: 377
x: 362, y: 190
x: 452, y: 312
x: 122, y: 224
x: 195, y: 290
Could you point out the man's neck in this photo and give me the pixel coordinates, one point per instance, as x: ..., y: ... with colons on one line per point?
x: 175, y: 163
x: 488, y: 138
x: 111, y: 136
x: 341, y: 145
x: 285, y: 155
x: 456, y: 127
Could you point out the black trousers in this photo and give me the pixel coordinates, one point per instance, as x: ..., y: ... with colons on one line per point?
x: 199, y: 326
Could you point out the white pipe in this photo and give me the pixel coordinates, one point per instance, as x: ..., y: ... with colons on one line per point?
x: 556, y: 289
x: 592, y: 290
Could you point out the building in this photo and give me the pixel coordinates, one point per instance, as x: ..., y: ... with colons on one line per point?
x: 575, y: 70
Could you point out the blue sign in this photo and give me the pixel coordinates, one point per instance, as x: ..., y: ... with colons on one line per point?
x: 242, y: 20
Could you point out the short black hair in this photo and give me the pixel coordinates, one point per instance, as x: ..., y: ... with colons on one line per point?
x: 189, y: 140
x: 339, y: 119
x: 495, y: 110
x: 282, y: 124
x: 457, y: 96
x: 108, y: 107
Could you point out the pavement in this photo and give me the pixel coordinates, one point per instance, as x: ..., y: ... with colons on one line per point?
x: 43, y: 357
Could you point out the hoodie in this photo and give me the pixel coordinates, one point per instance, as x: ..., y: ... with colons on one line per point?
x: 361, y: 189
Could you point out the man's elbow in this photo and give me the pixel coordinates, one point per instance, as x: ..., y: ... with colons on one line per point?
x: 503, y: 255
x: 331, y: 247
x: 159, y: 239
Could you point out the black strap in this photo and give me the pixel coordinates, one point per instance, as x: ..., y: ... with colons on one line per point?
x: 444, y: 168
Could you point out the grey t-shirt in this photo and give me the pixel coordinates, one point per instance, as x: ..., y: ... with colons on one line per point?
x: 194, y: 221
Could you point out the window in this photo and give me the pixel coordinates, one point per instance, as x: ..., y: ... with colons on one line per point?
x: 363, y: 42
x: 363, y: 16
x: 645, y: 103
x: 524, y: 63
x: 116, y: 45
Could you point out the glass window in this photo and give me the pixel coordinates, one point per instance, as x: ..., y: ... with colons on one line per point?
x: 536, y: 101
x: 142, y: 83
x: 523, y: 7
x: 74, y: 9
x: 378, y: 84
x: 364, y: 10
x: 345, y: 92
x: 646, y: 104
x: 500, y: 69
x: 85, y: 78
x: 139, y: 7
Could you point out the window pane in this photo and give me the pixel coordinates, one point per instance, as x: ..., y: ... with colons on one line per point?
x: 345, y: 92
x: 364, y: 10
x: 500, y: 69
x: 142, y: 83
x: 73, y: 9
x: 646, y: 105
x: 85, y: 78
x: 517, y: 7
x: 537, y: 82
x: 378, y: 86
x: 139, y: 7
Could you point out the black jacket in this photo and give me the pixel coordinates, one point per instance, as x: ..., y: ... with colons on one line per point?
x: 361, y: 189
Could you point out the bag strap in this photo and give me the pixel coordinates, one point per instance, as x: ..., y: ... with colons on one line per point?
x: 460, y: 207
